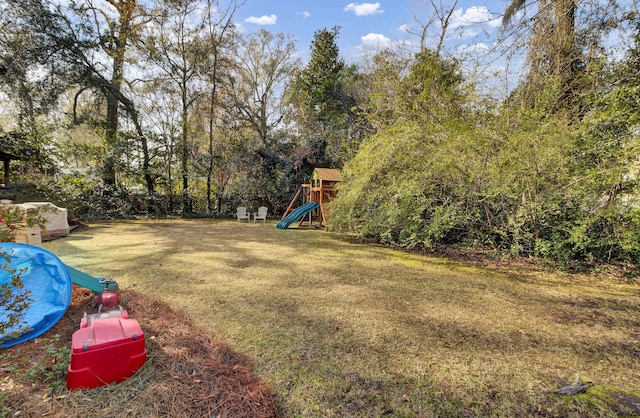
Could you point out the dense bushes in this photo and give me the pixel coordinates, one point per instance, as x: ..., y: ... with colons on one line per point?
x: 524, y: 181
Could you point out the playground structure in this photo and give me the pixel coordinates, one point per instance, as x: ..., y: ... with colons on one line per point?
x: 320, y: 190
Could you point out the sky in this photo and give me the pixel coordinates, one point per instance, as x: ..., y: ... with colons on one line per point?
x: 371, y: 25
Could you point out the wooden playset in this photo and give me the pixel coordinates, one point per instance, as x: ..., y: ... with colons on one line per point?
x: 320, y: 190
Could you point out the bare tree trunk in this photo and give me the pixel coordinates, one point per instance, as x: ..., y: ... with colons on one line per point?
x: 212, y: 114
x: 186, y: 201
x: 552, y: 46
x: 99, y: 82
x: 117, y: 51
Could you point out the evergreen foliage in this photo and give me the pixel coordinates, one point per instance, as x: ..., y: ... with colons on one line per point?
x: 325, y: 111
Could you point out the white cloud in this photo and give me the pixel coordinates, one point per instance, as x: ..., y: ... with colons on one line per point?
x: 262, y: 20
x: 473, y: 21
x: 375, y: 41
x: 363, y: 9
x: 404, y: 28
x: 476, y: 49
x: 305, y: 14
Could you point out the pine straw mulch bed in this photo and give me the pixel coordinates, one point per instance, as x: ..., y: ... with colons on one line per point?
x: 187, y: 373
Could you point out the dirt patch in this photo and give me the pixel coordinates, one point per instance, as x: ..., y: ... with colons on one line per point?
x: 187, y: 373
x: 628, y: 405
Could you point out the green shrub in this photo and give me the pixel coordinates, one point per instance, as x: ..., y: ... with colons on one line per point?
x: 14, y: 299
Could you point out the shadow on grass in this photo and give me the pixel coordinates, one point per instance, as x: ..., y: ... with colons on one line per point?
x: 345, y: 329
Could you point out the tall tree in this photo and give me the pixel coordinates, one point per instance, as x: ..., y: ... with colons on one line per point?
x: 178, y: 47
x: 257, y: 105
x: 115, y: 34
x: 23, y: 49
x: 161, y: 113
x: 324, y: 108
x: 221, y: 37
x: 554, y: 55
x: 265, y: 63
x: 321, y: 80
x: 66, y: 46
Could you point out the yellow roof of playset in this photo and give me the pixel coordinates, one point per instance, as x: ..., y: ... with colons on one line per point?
x: 327, y: 174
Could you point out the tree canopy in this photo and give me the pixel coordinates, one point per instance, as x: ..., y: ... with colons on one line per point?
x: 130, y: 108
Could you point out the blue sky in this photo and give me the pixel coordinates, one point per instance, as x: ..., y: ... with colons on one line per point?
x: 369, y: 25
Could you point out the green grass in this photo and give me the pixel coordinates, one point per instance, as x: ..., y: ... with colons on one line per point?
x: 346, y: 329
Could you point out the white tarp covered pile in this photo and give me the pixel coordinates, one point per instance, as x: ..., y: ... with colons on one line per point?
x: 57, y: 218
x: 57, y: 223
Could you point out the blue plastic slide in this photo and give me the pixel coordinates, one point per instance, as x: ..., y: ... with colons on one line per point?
x: 48, y: 282
x: 96, y: 284
x: 296, y: 215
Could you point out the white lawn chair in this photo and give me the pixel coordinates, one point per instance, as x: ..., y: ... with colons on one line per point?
x: 261, y: 214
x: 241, y: 213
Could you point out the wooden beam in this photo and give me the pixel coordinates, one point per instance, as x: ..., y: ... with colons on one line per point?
x: 293, y: 201
x: 6, y: 172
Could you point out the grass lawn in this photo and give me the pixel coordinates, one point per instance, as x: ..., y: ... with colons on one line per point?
x: 345, y: 329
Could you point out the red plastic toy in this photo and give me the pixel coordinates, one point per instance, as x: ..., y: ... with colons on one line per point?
x: 108, y: 348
